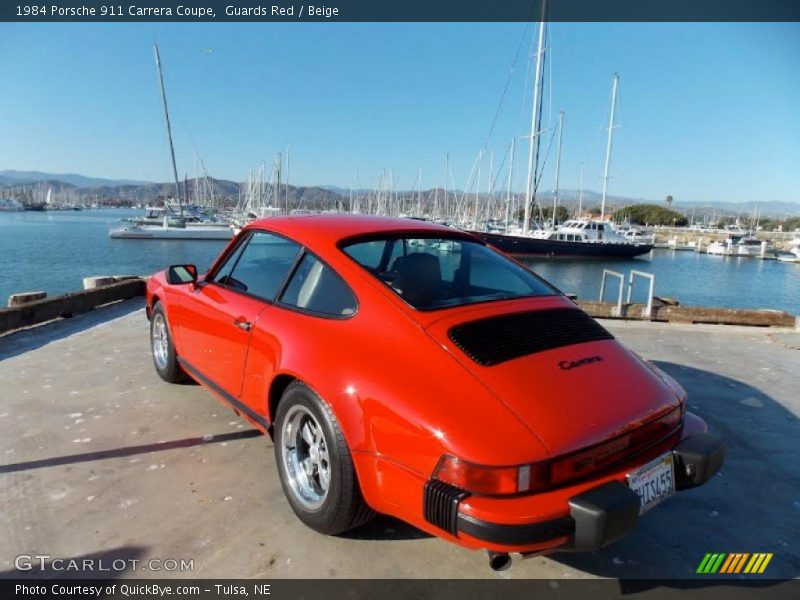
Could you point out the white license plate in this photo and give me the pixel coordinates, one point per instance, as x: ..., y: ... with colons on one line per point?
x: 653, y: 482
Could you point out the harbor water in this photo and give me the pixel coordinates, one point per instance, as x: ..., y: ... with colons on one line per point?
x: 53, y: 251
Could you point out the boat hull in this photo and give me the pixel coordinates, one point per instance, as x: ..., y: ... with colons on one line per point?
x: 527, y: 246
x: 161, y: 233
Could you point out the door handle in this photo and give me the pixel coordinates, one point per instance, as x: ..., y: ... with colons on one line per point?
x: 242, y: 324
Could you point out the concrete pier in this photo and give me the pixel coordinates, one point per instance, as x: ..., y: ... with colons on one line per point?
x: 101, y: 459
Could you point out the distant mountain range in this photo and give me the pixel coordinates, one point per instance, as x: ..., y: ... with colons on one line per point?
x: 8, y: 177
x: 136, y: 191
x: 765, y: 208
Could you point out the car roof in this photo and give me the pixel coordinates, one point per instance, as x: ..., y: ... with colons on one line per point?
x: 333, y: 228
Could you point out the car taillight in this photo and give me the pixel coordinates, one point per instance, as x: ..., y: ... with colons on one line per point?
x: 491, y: 481
x: 578, y: 464
x: 543, y: 475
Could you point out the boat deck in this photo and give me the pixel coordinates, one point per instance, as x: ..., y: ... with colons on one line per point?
x: 100, y: 459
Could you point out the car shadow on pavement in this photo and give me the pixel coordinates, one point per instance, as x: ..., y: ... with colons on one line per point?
x: 108, y: 564
x: 25, y: 340
x: 752, y: 505
x: 127, y: 451
x: 385, y: 528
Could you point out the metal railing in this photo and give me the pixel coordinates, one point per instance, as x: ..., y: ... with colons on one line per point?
x: 616, y: 311
x: 648, y: 310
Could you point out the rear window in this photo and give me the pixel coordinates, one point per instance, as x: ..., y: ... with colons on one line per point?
x: 432, y: 273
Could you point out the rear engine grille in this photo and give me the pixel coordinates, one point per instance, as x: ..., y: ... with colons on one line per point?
x: 498, y: 339
x: 440, y: 505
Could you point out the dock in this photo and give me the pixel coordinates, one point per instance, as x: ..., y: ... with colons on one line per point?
x: 101, y: 459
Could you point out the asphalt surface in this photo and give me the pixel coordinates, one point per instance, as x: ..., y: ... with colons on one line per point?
x: 99, y: 459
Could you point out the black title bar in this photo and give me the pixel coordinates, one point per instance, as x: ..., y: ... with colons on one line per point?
x: 399, y: 10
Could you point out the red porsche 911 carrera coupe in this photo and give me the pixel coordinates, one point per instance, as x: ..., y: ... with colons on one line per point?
x: 407, y: 368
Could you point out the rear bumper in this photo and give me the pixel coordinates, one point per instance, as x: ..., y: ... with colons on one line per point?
x: 597, y: 517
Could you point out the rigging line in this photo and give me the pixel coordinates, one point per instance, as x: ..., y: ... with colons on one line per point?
x: 491, y: 200
x: 469, y: 178
x: 500, y: 168
x: 508, y: 83
x: 544, y: 162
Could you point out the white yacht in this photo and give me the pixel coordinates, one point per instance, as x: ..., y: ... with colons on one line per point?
x: 10, y: 205
x: 172, y: 230
x: 739, y: 245
x: 582, y: 230
x: 632, y: 233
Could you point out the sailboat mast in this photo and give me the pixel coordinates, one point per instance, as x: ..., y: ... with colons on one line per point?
x: 278, y: 164
x: 169, y: 129
x: 490, y: 186
x: 533, y: 147
x: 558, y: 165
x: 614, y: 83
x: 580, y: 194
x: 287, y: 180
x: 478, y: 190
x: 446, y: 171
x: 510, y: 177
x: 419, y: 193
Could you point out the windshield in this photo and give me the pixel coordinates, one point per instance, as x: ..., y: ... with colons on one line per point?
x: 431, y: 273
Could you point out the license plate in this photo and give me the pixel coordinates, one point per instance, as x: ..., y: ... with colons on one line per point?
x: 653, y: 482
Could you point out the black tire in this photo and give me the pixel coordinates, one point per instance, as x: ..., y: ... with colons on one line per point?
x: 343, y: 507
x: 166, y: 365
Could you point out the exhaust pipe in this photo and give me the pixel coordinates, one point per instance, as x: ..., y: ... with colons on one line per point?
x: 499, y: 561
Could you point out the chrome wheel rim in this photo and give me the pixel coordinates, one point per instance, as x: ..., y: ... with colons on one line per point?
x: 305, y: 458
x: 160, y: 341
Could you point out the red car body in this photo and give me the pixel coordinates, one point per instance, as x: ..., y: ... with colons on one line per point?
x: 407, y: 396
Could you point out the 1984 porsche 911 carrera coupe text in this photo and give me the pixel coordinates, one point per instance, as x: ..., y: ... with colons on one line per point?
x: 406, y: 368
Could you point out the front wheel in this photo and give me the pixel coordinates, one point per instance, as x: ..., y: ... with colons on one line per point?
x: 165, y: 358
x: 315, y: 465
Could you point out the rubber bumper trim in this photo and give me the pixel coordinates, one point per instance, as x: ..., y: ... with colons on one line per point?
x: 597, y: 517
x: 515, y: 535
x: 697, y: 459
x: 603, y: 515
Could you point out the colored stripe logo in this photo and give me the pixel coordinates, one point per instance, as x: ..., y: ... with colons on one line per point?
x: 732, y: 563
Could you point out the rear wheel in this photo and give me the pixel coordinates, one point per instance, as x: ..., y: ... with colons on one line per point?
x: 315, y: 465
x: 165, y: 359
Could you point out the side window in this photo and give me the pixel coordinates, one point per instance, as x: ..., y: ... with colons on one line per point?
x: 318, y: 289
x: 262, y: 266
x: 224, y: 271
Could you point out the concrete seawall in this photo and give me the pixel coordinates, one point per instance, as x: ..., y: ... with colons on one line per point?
x: 67, y: 305
x: 691, y: 314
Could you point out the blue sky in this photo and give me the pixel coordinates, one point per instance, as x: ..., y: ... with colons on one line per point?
x: 707, y: 111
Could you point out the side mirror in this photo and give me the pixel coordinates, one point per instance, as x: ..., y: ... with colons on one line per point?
x: 180, y: 274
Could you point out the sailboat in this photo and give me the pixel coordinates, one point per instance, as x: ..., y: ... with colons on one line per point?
x: 171, y: 227
x: 577, y: 237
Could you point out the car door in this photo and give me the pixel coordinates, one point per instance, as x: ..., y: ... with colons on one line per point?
x: 219, y: 315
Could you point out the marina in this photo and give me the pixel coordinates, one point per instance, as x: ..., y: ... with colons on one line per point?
x: 38, y: 241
